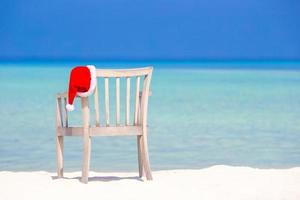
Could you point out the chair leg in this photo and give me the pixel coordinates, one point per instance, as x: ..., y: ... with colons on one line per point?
x: 139, y: 150
x: 86, y: 158
x: 60, y: 156
x: 145, y: 156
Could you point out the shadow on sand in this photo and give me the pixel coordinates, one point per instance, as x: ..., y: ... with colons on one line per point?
x: 103, y: 178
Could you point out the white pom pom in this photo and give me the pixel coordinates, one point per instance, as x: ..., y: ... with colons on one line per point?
x: 70, y: 107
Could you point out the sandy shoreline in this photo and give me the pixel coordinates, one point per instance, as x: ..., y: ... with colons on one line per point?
x: 217, y: 182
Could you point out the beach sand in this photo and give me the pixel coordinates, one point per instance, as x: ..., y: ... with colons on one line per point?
x: 217, y: 182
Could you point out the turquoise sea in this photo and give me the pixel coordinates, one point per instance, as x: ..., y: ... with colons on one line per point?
x: 200, y: 114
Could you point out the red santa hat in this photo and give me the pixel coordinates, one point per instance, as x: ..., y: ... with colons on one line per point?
x: 82, y: 83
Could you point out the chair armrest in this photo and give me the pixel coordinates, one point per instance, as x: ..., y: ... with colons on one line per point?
x: 150, y: 93
x: 62, y: 95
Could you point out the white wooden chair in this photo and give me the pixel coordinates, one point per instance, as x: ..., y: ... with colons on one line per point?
x: 137, y: 128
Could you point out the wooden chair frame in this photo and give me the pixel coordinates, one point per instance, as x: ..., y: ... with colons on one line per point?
x: 137, y: 128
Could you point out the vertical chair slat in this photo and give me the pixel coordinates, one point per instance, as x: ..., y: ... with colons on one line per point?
x: 60, y: 111
x: 66, y: 112
x: 127, y: 111
x: 118, y: 101
x: 58, y: 118
x: 106, y: 88
x: 96, y: 101
x: 137, y: 100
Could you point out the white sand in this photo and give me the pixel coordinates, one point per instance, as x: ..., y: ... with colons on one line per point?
x: 218, y: 182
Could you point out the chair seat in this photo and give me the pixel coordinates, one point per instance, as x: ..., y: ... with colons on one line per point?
x: 101, y: 131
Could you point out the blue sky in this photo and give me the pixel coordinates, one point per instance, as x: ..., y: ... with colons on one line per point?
x: 169, y: 29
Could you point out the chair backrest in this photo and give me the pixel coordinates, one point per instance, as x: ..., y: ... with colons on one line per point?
x: 142, y: 78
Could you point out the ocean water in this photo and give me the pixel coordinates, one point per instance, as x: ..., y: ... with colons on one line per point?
x: 200, y: 114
